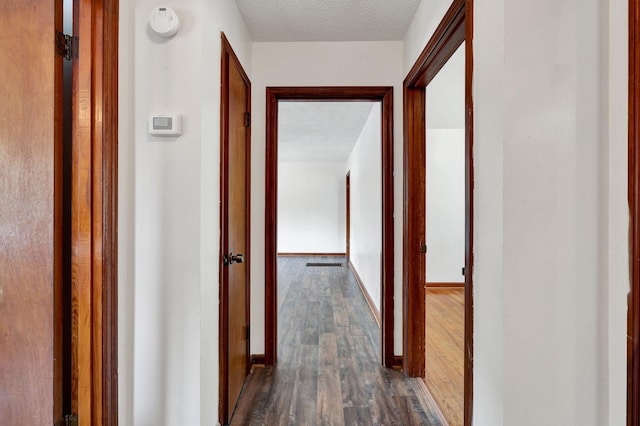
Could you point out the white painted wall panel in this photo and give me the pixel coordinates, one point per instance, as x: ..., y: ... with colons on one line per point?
x: 169, y: 213
x: 311, y: 207
x: 445, y: 205
x: 365, y: 165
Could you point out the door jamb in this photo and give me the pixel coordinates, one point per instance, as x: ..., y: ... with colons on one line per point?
x: 229, y: 58
x: 95, y: 213
x: 354, y: 93
x: 455, y: 28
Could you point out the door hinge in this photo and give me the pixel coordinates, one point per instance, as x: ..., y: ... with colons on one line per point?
x: 66, y: 46
x: 423, y: 248
x: 248, y: 332
x: 247, y: 119
x: 69, y: 420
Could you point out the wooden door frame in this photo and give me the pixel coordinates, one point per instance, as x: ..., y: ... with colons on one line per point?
x: 633, y: 313
x: 455, y: 28
x: 348, y: 214
x: 384, y: 95
x: 95, y: 213
x: 228, y: 59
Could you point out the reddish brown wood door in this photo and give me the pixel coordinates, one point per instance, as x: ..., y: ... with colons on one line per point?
x: 235, y: 229
x: 30, y: 207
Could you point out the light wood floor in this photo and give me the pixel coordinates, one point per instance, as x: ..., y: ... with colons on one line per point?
x: 328, y: 370
x: 445, y: 351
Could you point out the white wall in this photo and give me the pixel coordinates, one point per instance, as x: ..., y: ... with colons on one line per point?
x: 445, y: 209
x: 169, y: 213
x: 365, y: 165
x: 318, y: 64
x: 550, y: 214
x: 614, y: 279
x: 311, y: 207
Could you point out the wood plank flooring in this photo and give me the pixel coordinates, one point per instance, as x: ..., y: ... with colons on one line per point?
x: 328, y: 370
x: 445, y: 351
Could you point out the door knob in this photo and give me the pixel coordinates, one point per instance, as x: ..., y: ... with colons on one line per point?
x: 235, y: 258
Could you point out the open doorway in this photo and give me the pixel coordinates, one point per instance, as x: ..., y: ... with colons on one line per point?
x: 383, y: 95
x: 318, y: 143
x: 454, y: 29
x: 445, y: 238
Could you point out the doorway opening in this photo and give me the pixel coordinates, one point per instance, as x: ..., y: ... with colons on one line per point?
x: 384, y: 96
x: 454, y: 29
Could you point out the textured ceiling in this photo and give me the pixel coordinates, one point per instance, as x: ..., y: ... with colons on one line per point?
x: 319, y: 131
x: 327, y: 20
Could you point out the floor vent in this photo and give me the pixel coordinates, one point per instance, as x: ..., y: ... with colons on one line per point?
x: 323, y: 264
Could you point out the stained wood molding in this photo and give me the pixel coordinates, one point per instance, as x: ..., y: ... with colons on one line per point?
x: 94, y: 214
x: 455, y: 28
x: 367, y: 296
x: 257, y: 359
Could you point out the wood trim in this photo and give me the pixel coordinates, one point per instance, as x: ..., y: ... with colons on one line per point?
x: 455, y: 28
x: 633, y: 312
x: 434, y: 286
x: 228, y: 57
x: 354, y: 93
x: 397, y: 361
x: 469, y: 224
x: 109, y: 185
x: 94, y: 213
x: 257, y: 359
x: 446, y: 39
x: 425, y: 387
x: 413, y: 265
x: 311, y: 255
x: 367, y: 296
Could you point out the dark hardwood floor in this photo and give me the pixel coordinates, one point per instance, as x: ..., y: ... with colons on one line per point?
x: 328, y: 370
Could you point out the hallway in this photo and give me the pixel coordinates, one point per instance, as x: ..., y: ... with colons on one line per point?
x: 328, y: 369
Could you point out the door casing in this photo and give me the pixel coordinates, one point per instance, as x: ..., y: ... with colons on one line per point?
x: 455, y: 28
x: 384, y: 95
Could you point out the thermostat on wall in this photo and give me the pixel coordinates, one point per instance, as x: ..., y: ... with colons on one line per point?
x: 165, y: 125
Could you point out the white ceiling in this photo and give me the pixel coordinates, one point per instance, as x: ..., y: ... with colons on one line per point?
x: 327, y: 20
x: 319, y: 131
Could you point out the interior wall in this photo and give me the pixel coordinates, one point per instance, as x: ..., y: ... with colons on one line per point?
x: 169, y: 212
x: 365, y: 166
x: 444, y: 222
x: 319, y: 64
x: 311, y: 207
